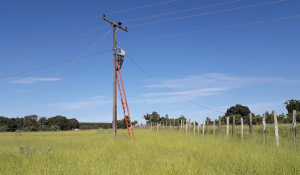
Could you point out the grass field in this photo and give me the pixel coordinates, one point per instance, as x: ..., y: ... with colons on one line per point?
x: 154, y: 152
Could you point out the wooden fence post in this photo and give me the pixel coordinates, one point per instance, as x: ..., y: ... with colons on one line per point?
x: 199, y: 127
x: 189, y: 124
x: 157, y: 125
x: 170, y: 125
x: 227, y: 127
x: 186, y: 127
x: 207, y: 123
x: 276, y: 129
x: 264, y: 125
x: 219, y: 125
x: 242, y: 127
x: 203, y: 127
x: 233, y: 125
x: 214, y: 126
x: 250, y: 123
x: 194, y: 126
x: 294, y: 125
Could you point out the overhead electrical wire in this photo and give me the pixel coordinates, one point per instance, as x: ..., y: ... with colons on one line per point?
x: 169, y: 88
x: 141, y: 77
x: 53, y: 44
x: 60, y: 72
x: 196, y: 8
x: 141, y: 7
x: 80, y: 23
x: 48, y: 62
x: 201, y: 14
x: 45, y: 53
x: 218, y: 28
x: 50, y: 65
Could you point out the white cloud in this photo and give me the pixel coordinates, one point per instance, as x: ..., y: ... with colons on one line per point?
x: 31, y: 80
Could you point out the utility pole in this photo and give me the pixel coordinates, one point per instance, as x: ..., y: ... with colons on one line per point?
x: 115, y: 26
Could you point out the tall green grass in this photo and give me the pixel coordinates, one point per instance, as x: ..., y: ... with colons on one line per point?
x: 153, y: 152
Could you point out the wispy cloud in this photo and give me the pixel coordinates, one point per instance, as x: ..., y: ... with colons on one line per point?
x: 85, y: 104
x: 21, y: 90
x: 31, y: 80
x: 216, y: 79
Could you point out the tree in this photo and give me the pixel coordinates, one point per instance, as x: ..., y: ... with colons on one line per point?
x: 74, y: 123
x: 135, y: 122
x: 239, y: 111
x: 61, y: 121
x: 291, y: 105
x: 43, y: 121
x: 30, y: 121
x: 154, y: 117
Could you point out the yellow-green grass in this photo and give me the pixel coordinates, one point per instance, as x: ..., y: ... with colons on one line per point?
x: 153, y: 152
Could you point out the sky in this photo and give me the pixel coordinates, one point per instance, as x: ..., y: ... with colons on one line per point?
x: 216, y: 53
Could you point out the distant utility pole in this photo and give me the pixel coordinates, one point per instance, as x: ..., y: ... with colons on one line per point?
x: 115, y: 118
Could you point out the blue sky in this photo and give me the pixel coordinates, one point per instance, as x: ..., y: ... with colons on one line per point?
x: 254, y: 65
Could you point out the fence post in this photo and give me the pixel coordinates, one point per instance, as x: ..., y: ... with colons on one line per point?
x: 186, y: 127
x: 250, y: 123
x: 219, y: 125
x: 214, y: 126
x: 242, y: 127
x: 264, y: 125
x: 194, y: 126
x: 189, y: 124
x: 227, y: 127
x: 233, y: 125
x: 276, y: 129
x: 157, y: 125
x: 207, y: 122
x: 294, y: 124
x: 199, y: 127
x: 203, y: 127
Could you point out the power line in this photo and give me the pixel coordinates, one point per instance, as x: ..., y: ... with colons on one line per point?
x: 142, y: 7
x: 59, y: 59
x: 80, y: 23
x: 64, y: 69
x: 196, y: 8
x: 218, y: 28
x: 201, y: 14
x: 44, y: 53
x: 53, y: 44
x: 169, y: 88
x: 140, y: 76
x: 50, y: 65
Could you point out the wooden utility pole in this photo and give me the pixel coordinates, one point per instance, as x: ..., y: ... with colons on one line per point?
x: 115, y: 26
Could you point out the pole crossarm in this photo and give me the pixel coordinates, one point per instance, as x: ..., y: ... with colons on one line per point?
x: 115, y: 24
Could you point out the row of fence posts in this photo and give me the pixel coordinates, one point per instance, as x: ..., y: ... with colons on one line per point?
x: 188, y: 124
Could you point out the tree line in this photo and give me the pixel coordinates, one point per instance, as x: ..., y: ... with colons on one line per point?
x: 121, y: 124
x: 57, y: 123
x: 35, y: 123
x: 239, y: 111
